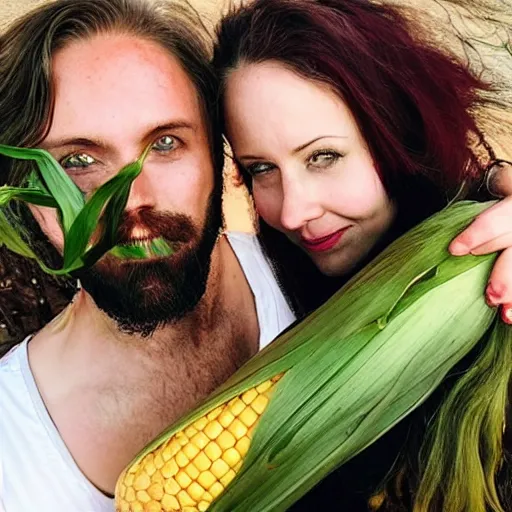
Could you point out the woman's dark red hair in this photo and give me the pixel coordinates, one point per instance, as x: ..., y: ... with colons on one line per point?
x: 413, y: 103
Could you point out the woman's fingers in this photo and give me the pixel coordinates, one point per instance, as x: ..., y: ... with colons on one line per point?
x: 492, y: 228
x: 499, y: 288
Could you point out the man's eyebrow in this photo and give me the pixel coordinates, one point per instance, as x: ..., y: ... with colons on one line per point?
x: 299, y: 148
x: 172, y: 125
x: 100, y: 143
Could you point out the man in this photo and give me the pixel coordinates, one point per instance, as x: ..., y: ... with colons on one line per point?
x: 95, y: 82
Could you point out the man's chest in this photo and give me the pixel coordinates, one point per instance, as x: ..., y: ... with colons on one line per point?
x: 107, y: 421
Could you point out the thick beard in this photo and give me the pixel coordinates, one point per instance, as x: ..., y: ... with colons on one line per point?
x: 142, y: 296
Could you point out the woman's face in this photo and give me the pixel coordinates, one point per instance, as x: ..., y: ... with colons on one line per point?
x: 312, y: 174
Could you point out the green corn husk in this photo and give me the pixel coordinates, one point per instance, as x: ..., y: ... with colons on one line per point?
x: 79, y: 218
x: 356, y: 366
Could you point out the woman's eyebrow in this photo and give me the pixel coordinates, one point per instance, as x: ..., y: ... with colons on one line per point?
x: 299, y: 148
x: 304, y: 146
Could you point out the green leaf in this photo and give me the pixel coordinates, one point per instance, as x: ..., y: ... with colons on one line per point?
x: 79, y: 219
x: 59, y: 184
x: 12, y: 240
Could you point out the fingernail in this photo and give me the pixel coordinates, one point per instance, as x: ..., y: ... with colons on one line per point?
x: 506, y: 315
x: 458, y: 249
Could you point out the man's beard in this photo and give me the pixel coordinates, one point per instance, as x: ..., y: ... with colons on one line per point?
x: 144, y: 295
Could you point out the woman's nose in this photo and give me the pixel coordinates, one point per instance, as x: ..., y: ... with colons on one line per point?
x: 300, y: 204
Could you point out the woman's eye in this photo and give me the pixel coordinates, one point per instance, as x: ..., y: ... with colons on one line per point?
x: 165, y: 143
x: 324, y: 158
x: 259, y: 169
x: 77, y: 161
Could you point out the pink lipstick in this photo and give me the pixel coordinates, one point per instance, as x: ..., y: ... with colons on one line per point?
x: 324, y: 243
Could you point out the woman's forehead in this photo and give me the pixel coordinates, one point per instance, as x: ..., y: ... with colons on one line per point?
x: 268, y: 100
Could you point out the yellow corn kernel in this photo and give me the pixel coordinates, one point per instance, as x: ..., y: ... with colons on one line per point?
x: 203, y: 506
x: 170, y: 503
x: 226, y: 479
x: 195, y: 491
x: 226, y: 440
x: 225, y: 418
x: 249, y: 396
x: 200, y: 440
x: 206, y: 479
x: 243, y: 445
x: 159, y: 461
x: 170, y: 469
x: 137, y: 507
x: 190, y: 450
x: 183, y: 479
x: 129, y: 479
x: 231, y: 457
x: 143, y: 497
x: 134, y: 468
x: 181, y: 438
x: 130, y: 495
x: 264, y: 386
x: 213, y: 429
x: 202, y: 462
x: 156, y: 492
x: 236, y: 406
x: 248, y: 417
x: 213, y: 451
x: 219, y: 468
x: 213, y: 414
x: 259, y: 404
x: 181, y: 459
x: 190, y: 431
x: 171, y: 450
x: 124, y: 506
x: 153, y: 506
x: 185, y: 500
x: 192, y: 471
x: 158, y: 478
x: 142, y: 482
x: 216, y: 489
x: 237, y: 428
x: 172, y: 487
x: 201, y: 423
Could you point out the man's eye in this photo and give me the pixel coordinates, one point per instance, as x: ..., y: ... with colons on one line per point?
x: 77, y: 160
x: 165, y: 143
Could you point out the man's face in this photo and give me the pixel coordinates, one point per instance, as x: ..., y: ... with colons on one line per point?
x: 115, y: 95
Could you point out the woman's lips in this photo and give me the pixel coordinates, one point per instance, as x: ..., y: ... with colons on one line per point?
x: 324, y: 243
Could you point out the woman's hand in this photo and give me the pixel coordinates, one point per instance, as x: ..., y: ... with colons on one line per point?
x: 491, y: 231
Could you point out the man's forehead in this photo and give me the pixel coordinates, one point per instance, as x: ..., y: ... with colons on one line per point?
x: 107, y: 80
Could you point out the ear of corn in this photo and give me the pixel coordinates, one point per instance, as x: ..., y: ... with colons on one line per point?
x: 347, y: 374
x: 79, y: 218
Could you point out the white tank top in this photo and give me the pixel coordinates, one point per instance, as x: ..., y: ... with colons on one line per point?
x: 37, y: 472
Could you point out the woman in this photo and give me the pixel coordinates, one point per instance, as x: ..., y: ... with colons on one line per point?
x: 349, y: 131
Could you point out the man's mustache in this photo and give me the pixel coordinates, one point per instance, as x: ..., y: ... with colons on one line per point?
x: 173, y: 227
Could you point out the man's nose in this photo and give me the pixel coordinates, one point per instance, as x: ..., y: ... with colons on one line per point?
x: 300, y: 204
x: 142, y: 192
